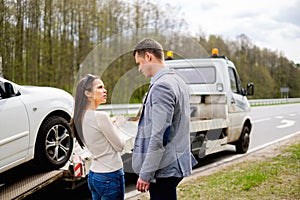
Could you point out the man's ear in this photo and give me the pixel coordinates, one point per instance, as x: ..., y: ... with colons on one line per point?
x: 147, y: 57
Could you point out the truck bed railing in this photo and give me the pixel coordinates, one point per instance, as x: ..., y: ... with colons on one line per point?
x: 132, y: 109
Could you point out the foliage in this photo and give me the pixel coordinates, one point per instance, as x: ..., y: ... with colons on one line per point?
x: 44, y: 42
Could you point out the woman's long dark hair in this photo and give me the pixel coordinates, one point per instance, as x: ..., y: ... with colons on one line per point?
x: 81, y: 102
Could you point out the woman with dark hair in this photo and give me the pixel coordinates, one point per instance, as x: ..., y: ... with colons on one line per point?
x: 94, y: 130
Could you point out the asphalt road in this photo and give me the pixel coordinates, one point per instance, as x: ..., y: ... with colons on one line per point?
x: 270, y: 123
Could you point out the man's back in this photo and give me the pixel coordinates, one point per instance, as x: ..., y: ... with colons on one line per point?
x: 164, y: 130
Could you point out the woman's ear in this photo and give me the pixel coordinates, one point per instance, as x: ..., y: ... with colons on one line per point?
x: 87, y: 93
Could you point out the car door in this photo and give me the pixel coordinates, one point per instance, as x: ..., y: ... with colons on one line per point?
x: 14, y: 132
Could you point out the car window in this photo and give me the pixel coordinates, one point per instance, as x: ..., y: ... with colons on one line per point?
x: 2, y: 90
x: 7, y: 86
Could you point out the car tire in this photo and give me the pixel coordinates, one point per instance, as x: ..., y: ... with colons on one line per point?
x: 54, y: 144
x: 242, y: 144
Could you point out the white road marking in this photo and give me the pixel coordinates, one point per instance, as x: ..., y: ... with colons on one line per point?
x: 286, y: 123
x: 261, y: 120
x: 279, y: 117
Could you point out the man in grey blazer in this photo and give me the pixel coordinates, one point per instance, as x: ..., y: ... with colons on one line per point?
x: 161, y: 155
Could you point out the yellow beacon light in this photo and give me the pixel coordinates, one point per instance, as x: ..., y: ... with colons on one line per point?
x: 215, y: 52
x: 169, y: 55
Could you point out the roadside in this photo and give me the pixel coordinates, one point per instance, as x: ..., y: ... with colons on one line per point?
x: 259, y: 155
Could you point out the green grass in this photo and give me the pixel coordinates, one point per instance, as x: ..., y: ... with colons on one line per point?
x: 272, y: 178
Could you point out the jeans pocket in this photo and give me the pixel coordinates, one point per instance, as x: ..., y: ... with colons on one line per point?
x: 107, y: 187
x: 114, y: 190
x: 101, y: 185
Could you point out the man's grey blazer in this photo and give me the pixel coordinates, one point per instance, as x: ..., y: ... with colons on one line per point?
x: 162, y: 144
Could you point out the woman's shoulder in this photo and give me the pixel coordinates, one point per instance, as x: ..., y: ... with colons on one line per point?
x: 97, y: 113
x: 102, y: 114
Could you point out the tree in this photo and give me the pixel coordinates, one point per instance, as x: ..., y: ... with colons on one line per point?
x: 44, y: 42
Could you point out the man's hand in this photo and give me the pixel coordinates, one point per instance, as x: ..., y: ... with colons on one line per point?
x: 142, y: 186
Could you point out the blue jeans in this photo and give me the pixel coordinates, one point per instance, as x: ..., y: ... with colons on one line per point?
x: 107, y: 186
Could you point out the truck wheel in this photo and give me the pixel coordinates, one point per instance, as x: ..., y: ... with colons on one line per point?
x: 54, y: 144
x: 242, y: 144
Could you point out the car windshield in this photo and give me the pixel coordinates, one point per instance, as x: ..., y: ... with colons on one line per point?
x: 197, y: 75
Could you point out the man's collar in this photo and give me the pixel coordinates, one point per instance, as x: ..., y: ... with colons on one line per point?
x: 158, y: 74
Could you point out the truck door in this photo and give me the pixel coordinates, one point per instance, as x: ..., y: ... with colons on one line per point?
x: 237, y: 106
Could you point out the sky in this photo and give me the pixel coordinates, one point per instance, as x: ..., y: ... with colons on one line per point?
x: 271, y: 24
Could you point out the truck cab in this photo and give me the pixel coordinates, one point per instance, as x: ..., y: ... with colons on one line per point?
x: 218, y: 102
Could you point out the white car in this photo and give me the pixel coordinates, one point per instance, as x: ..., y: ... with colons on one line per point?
x: 34, y: 126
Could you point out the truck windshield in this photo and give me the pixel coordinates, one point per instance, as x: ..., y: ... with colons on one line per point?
x: 197, y: 75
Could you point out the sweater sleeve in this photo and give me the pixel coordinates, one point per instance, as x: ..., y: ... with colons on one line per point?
x: 109, y: 131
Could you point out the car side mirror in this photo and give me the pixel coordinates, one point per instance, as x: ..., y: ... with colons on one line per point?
x: 250, y: 89
x: 9, y: 90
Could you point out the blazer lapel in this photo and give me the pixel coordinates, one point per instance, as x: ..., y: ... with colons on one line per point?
x: 144, y: 101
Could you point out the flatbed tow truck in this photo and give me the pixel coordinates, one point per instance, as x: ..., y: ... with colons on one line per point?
x: 29, y: 184
x: 15, y: 184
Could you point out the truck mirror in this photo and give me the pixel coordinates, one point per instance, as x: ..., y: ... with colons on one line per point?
x: 250, y: 89
x: 244, y: 92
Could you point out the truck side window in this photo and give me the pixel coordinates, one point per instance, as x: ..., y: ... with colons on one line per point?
x: 234, y: 81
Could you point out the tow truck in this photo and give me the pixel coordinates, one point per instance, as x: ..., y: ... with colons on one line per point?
x: 219, y: 105
x: 220, y: 110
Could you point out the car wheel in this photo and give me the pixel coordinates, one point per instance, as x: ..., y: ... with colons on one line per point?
x: 54, y: 144
x: 242, y: 144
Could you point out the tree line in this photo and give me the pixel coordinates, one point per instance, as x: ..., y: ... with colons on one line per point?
x: 44, y: 42
x: 268, y: 70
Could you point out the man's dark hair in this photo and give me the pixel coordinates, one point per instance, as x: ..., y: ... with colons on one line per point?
x: 149, y: 45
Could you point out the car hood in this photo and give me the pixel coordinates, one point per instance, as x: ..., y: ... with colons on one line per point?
x: 54, y: 97
x: 47, y: 91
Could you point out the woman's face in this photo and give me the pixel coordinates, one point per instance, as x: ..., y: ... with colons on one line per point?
x: 98, y: 95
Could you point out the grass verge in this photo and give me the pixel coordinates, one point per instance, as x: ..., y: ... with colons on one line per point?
x: 271, y: 178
